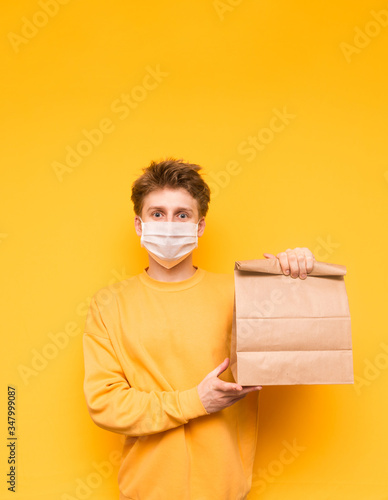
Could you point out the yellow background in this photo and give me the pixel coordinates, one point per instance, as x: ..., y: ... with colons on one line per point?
x: 321, y: 182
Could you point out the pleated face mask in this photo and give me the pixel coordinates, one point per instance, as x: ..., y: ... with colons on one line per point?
x: 169, y: 242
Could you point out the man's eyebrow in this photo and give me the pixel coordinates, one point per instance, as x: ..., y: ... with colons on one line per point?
x: 178, y: 209
x: 184, y: 209
x: 155, y: 208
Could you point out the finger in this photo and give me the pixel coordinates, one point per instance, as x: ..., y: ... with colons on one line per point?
x: 293, y: 262
x: 283, y: 261
x: 228, y: 387
x: 309, y: 259
x: 309, y: 264
x: 219, y: 369
x: 269, y: 256
x: 248, y: 389
x: 306, y: 262
x: 302, y: 266
x: 240, y: 395
x: 252, y: 387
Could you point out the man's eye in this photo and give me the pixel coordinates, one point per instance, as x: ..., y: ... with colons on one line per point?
x: 182, y: 216
x: 157, y: 214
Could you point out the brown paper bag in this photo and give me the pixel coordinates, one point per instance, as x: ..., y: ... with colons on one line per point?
x: 290, y: 331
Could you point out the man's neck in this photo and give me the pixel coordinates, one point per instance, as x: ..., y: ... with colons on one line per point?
x: 182, y: 271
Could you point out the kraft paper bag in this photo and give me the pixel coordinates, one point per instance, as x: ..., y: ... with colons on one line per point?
x: 288, y: 331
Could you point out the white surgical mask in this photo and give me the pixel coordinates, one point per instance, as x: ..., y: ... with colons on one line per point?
x: 169, y: 242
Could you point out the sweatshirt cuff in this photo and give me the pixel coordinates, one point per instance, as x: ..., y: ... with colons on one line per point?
x: 191, y: 404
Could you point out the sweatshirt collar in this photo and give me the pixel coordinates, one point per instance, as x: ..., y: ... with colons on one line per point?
x: 172, y: 286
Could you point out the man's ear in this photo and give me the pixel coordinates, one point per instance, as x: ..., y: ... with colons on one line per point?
x: 138, y: 225
x: 201, y: 226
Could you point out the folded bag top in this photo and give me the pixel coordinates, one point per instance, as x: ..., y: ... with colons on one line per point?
x: 290, y: 331
x: 272, y: 266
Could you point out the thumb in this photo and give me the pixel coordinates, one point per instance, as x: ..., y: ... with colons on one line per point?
x: 222, y: 367
x: 269, y: 256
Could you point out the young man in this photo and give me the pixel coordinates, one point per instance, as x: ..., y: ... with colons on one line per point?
x: 157, y: 350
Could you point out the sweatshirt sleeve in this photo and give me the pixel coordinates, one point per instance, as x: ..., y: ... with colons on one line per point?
x: 116, y: 406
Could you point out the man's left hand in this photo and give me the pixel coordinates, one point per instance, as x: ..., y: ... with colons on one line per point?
x: 297, y: 262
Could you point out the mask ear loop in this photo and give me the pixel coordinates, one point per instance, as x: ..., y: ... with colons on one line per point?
x: 196, y: 236
x: 142, y: 232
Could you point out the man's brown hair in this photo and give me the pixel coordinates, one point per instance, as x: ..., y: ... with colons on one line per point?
x: 174, y: 174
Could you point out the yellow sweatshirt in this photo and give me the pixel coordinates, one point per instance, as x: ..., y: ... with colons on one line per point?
x: 147, y: 345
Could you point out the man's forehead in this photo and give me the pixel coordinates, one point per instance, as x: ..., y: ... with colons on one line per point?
x: 172, y: 198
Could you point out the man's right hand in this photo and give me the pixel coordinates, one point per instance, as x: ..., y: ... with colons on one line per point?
x: 215, y: 394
